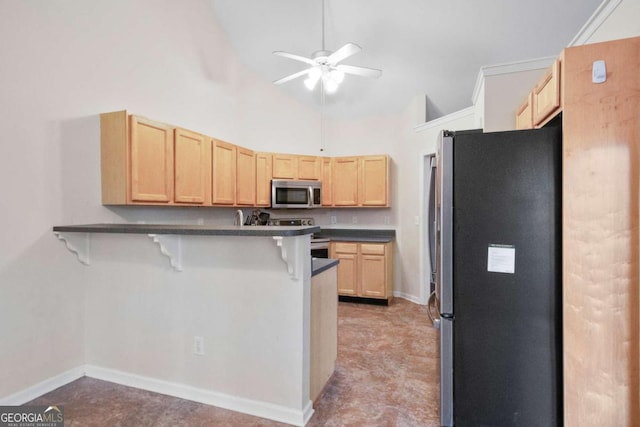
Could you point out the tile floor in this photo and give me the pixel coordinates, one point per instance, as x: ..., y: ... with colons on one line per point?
x: 386, y: 375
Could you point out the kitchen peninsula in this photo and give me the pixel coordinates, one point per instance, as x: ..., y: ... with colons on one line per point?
x: 238, y: 300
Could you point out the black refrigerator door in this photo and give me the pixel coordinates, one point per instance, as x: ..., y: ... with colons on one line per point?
x: 507, y: 325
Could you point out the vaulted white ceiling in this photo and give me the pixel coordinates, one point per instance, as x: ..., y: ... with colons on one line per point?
x: 426, y: 48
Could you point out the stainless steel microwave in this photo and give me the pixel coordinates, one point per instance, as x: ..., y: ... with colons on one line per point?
x: 295, y: 194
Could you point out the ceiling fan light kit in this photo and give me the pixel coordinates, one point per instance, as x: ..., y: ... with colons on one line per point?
x: 325, y: 67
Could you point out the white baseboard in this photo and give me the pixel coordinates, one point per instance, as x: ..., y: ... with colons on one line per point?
x: 43, y: 387
x: 408, y: 297
x: 252, y: 407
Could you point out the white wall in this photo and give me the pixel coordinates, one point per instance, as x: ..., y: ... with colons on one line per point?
x: 622, y: 22
x: 64, y: 63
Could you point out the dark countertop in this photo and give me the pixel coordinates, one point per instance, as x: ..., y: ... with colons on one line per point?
x: 196, y: 230
x: 357, y: 234
x: 318, y: 265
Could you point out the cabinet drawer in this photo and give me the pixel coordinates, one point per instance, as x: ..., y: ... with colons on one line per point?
x: 372, y: 248
x: 349, y: 248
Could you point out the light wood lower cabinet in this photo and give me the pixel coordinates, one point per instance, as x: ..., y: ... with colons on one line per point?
x: 365, y: 269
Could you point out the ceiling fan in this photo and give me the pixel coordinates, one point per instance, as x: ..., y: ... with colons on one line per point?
x: 325, y: 66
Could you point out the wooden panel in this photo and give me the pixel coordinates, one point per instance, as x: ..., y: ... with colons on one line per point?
x: 223, y: 173
x: 324, y: 330
x: 327, y: 182
x: 284, y: 166
x: 347, y: 273
x: 348, y: 248
x: 524, y: 113
x: 373, y: 276
x: 546, y: 94
x: 345, y: 181
x: 309, y: 167
x: 191, y: 161
x: 151, y: 161
x: 114, y: 168
x: 374, y: 179
x: 263, y: 179
x: 372, y: 248
x: 600, y: 235
x: 245, y: 177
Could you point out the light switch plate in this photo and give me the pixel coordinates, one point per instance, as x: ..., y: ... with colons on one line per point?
x: 599, y: 72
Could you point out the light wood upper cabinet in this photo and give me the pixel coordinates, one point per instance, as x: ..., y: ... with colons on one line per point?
x: 345, y: 181
x: 223, y: 183
x: 327, y: 181
x: 359, y: 181
x: 136, y: 160
x: 263, y: 178
x: 191, y: 167
x: 245, y: 177
x: 544, y: 102
x: 374, y: 181
x: 285, y: 166
x: 151, y: 161
x: 309, y: 168
x: 546, y: 94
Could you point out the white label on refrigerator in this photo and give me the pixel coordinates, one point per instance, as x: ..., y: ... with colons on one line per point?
x: 501, y: 259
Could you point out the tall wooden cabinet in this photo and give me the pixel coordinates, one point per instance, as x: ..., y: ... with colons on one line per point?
x: 345, y: 181
x: 601, y: 143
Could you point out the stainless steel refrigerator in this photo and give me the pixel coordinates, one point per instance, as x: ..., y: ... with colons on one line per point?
x: 496, y: 236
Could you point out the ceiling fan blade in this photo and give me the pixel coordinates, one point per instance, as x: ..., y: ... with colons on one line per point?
x: 292, y: 76
x: 343, y: 53
x: 360, y: 71
x: 295, y: 57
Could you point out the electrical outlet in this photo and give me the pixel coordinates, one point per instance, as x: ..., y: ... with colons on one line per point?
x: 387, y: 220
x: 334, y: 219
x: 200, y: 221
x: 354, y: 219
x: 198, y: 345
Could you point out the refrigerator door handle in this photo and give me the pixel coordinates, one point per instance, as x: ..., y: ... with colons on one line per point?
x: 435, y: 320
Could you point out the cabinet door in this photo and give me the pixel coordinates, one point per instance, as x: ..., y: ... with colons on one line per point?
x: 284, y: 166
x: 546, y: 95
x: 191, y: 160
x: 223, y: 184
x: 345, y: 181
x: 347, y: 272
x: 524, y: 114
x: 373, y: 270
x: 309, y: 167
x: 263, y: 179
x: 151, y: 161
x: 327, y: 182
x: 373, y: 181
x: 245, y: 177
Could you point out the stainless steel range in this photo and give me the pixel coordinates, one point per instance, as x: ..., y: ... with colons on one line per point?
x: 319, y: 245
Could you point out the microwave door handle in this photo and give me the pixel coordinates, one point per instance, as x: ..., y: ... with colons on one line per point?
x: 310, y: 196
